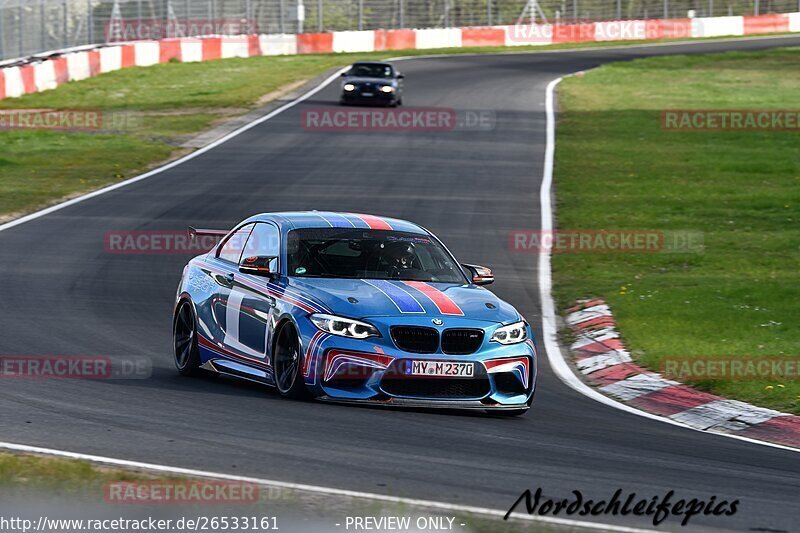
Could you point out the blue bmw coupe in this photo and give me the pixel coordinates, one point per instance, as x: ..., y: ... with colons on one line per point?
x: 350, y: 307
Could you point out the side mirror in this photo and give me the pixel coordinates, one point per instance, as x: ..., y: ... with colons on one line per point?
x: 401, y: 76
x: 257, y: 265
x: 344, y: 74
x: 480, y: 275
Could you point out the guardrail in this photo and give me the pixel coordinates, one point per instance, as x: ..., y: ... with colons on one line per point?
x: 44, y: 72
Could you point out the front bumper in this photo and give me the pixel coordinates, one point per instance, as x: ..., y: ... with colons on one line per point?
x: 377, y: 98
x: 349, y: 370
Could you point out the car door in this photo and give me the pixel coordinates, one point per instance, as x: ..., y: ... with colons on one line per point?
x: 226, y: 261
x: 250, y: 308
x: 257, y: 309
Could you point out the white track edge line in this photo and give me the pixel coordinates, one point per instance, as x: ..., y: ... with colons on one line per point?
x: 549, y: 329
x: 319, y: 490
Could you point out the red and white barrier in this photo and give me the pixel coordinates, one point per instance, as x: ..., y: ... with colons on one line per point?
x: 78, y: 66
x: 395, y: 39
x: 13, y: 82
x: 191, y: 50
x: 494, y: 36
x: 794, y: 22
x: 147, y: 53
x: 277, y: 45
x: 438, y: 38
x: 110, y: 58
x: 621, y: 30
x: 717, y: 26
x: 235, y: 47
x: 44, y: 75
x: 81, y: 64
x: 353, y: 41
x: 528, y: 34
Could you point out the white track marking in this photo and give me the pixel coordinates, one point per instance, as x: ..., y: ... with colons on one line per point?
x: 549, y: 327
x: 322, y: 490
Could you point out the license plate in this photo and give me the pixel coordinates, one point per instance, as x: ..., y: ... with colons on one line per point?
x: 439, y: 369
x: 367, y: 94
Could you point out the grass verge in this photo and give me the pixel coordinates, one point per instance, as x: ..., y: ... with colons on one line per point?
x: 157, y: 109
x: 24, y: 472
x: 616, y: 168
x: 63, y: 489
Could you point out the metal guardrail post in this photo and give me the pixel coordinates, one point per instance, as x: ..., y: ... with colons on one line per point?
x: 89, y: 22
x: 42, y: 42
x: 21, y: 15
x: 2, y: 34
x: 66, y: 24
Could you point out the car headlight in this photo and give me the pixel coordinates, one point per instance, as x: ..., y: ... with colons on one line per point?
x: 349, y: 87
x: 387, y: 89
x: 344, y: 327
x: 511, y: 334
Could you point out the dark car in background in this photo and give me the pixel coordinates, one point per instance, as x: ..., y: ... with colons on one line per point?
x: 372, y: 83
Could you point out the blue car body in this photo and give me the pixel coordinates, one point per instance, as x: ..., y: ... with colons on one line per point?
x: 238, y: 315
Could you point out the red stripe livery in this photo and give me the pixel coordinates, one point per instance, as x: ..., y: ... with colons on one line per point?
x: 443, y: 302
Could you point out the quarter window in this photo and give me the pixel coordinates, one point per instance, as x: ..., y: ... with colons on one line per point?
x: 264, y: 241
x: 232, y: 249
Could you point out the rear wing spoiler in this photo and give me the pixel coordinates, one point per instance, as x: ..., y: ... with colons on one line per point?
x: 195, y: 232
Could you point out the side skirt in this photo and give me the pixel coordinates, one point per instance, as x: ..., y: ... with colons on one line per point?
x: 239, y: 370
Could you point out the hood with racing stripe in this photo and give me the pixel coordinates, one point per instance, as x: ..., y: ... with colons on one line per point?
x: 355, y: 298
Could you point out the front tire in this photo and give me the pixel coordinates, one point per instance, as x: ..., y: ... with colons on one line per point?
x: 184, y: 340
x: 287, y: 364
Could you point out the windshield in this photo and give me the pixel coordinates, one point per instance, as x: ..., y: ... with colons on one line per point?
x: 369, y: 254
x: 365, y: 70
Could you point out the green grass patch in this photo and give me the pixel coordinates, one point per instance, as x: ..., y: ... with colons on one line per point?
x: 35, y: 473
x: 168, y: 104
x: 616, y: 168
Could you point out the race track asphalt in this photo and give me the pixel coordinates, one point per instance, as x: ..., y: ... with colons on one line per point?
x: 63, y: 294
